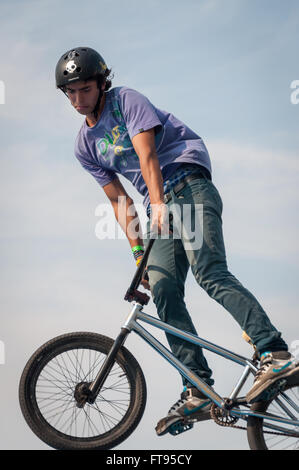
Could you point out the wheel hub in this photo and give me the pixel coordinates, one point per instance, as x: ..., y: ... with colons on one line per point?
x: 81, y: 393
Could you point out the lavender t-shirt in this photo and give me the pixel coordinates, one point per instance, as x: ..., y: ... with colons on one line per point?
x: 106, y: 150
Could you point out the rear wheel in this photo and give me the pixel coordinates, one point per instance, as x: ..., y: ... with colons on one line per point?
x: 55, y: 376
x: 270, y: 435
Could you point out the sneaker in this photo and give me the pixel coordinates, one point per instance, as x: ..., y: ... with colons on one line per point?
x: 193, y: 406
x: 276, y: 370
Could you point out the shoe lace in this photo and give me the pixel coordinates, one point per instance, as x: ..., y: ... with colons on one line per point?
x: 178, y: 403
x: 266, y: 363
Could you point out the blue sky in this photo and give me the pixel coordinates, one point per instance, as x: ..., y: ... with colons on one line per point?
x: 225, y: 69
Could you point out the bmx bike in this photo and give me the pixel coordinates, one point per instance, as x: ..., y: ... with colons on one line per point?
x: 85, y: 391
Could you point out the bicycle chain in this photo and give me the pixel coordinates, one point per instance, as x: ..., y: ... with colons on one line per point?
x: 220, y: 422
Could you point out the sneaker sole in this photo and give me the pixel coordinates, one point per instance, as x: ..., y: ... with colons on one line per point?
x: 291, y: 378
x: 162, y: 429
x: 179, y: 421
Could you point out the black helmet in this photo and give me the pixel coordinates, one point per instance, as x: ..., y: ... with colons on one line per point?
x: 80, y: 63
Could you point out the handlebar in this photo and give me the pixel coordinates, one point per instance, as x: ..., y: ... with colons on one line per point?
x: 132, y: 292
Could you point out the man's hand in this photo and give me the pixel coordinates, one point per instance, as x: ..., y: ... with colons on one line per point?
x: 144, y: 281
x: 160, y: 219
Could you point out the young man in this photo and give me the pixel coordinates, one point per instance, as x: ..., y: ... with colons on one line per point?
x: 124, y: 133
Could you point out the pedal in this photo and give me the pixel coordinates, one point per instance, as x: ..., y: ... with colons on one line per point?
x: 179, y: 427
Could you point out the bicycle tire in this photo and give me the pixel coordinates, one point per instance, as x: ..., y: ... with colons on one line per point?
x: 62, y: 353
x: 257, y: 435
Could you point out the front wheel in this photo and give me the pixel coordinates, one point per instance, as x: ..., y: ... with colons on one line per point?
x: 53, y: 376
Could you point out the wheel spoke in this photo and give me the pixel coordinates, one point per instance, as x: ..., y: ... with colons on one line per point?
x: 56, y: 386
x: 53, y: 393
x: 285, y: 405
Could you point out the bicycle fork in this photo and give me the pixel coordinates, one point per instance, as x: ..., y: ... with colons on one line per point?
x: 90, y: 391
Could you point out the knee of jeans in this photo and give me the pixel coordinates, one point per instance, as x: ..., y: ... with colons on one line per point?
x: 165, y: 289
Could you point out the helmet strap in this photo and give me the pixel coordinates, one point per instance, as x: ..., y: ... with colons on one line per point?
x: 97, y: 106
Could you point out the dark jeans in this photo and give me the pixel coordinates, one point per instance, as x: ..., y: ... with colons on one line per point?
x: 168, y: 265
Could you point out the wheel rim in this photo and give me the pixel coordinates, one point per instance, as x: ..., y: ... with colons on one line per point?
x: 54, y: 394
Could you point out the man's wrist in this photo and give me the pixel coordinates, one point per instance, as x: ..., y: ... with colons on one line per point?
x: 138, y: 251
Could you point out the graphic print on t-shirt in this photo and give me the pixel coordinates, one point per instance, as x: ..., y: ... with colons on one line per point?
x: 106, y: 149
x: 116, y: 142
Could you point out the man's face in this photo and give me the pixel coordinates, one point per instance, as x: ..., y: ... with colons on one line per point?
x: 83, y: 96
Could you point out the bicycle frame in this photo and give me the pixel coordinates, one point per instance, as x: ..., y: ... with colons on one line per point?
x: 228, y: 404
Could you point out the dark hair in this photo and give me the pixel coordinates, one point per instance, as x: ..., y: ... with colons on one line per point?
x: 108, y: 75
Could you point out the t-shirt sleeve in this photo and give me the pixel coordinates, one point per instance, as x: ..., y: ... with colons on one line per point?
x: 138, y: 112
x: 101, y: 175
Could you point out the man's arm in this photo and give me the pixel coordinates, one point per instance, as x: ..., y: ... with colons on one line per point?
x: 126, y: 215
x: 144, y: 145
x: 124, y: 211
